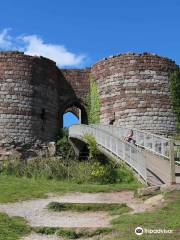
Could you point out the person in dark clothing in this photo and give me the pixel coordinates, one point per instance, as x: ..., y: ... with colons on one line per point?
x: 129, y: 137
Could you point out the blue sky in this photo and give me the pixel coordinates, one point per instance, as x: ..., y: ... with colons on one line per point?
x: 77, y: 33
x: 69, y: 119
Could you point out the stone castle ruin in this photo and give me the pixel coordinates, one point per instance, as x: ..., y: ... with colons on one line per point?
x: 35, y: 93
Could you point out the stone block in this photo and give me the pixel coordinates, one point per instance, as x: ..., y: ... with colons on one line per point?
x: 148, y: 191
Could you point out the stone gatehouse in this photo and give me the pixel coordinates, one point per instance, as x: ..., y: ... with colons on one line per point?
x: 35, y: 93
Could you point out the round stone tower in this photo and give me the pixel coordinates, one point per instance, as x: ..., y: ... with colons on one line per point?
x: 134, y: 89
x: 34, y: 95
x: 29, y: 99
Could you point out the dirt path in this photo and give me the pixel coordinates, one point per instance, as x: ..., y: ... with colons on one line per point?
x: 35, y: 236
x: 35, y: 212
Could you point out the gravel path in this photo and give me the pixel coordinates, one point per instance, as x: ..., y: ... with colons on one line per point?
x: 35, y: 212
x: 35, y: 236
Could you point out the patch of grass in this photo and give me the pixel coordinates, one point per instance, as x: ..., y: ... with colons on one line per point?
x: 12, y: 228
x: 114, y: 208
x: 165, y: 217
x: 14, y: 189
x: 73, y: 233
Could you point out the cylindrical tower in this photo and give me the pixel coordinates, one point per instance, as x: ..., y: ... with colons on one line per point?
x: 29, y: 99
x: 134, y: 88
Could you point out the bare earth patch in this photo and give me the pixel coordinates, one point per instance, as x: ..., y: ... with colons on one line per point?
x: 35, y: 212
x: 35, y: 236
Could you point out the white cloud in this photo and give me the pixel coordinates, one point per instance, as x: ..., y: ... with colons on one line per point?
x: 58, y: 53
x: 35, y: 46
x: 5, y: 39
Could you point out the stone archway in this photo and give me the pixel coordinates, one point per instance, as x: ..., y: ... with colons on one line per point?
x: 77, y: 108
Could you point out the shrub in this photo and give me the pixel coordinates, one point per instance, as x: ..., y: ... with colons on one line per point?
x: 49, y: 168
x: 92, y: 146
x: 73, y: 170
x: 63, y: 146
x: 124, y: 174
x: 94, y: 170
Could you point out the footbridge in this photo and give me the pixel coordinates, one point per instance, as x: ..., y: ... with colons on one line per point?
x: 151, y: 157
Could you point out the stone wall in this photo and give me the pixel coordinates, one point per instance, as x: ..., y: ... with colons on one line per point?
x: 33, y: 92
x: 79, y: 80
x: 135, y: 88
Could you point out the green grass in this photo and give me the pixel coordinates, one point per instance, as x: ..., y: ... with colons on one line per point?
x: 114, y: 208
x: 165, y: 217
x: 73, y: 233
x: 14, y: 189
x: 12, y: 228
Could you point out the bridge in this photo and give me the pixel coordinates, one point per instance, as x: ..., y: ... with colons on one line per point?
x: 151, y: 157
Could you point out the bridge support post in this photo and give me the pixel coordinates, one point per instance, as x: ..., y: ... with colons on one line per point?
x: 80, y: 117
x: 172, y: 162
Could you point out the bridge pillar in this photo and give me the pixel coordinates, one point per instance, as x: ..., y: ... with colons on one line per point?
x: 172, y: 162
x: 79, y: 148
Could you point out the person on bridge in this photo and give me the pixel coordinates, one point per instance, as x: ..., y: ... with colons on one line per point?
x: 129, y: 138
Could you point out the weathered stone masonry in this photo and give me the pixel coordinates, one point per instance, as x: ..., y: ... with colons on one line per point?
x: 135, y: 88
x: 33, y: 97
x: 34, y: 94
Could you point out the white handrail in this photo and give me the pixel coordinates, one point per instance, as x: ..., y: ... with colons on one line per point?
x: 157, y: 144
x: 132, y: 155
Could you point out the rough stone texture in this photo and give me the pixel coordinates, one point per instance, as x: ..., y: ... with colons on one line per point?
x: 35, y: 93
x: 169, y: 188
x: 51, y: 149
x: 135, y: 88
x: 148, y: 190
x: 78, y: 80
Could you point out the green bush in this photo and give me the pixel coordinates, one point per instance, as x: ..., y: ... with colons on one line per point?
x: 124, y: 174
x: 69, y: 234
x: 49, y: 168
x: 94, y: 170
x: 63, y: 147
x: 72, y: 170
x: 92, y: 146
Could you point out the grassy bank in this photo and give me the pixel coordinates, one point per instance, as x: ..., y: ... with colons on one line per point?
x: 165, y: 217
x: 18, y: 188
x: 73, y: 233
x: 12, y: 228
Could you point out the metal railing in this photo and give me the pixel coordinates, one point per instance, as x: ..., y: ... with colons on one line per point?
x: 132, y: 155
x: 158, y: 159
x: 157, y: 144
